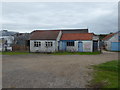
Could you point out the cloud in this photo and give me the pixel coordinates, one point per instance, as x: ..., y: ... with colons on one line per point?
x: 27, y: 16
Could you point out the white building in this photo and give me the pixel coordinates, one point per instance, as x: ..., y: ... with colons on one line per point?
x: 44, y: 41
x: 57, y: 40
x: 112, y: 42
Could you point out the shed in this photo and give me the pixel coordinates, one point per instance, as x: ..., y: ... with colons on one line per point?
x: 112, y: 42
x: 44, y: 40
x: 78, y: 42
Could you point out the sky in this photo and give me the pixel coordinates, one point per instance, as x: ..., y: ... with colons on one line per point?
x: 98, y: 17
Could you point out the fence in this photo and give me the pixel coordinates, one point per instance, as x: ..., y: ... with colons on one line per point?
x: 20, y: 48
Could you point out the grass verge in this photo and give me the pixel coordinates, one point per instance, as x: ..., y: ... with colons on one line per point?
x: 13, y: 53
x: 75, y: 53
x: 55, y: 53
x: 106, y: 75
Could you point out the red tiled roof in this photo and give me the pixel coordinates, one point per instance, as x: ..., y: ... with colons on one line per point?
x: 108, y: 36
x: 77, y: 36
x: 44, y: 35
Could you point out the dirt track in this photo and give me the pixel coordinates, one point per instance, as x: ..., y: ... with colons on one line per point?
x: 42, y: 71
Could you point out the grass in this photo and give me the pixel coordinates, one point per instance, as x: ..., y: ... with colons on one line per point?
x: 106, y: 75
x: 75, y: 53
x: 14, y: 53
x: 55, y: 53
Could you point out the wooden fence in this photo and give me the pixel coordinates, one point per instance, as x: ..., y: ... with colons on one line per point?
x: 20, y: 48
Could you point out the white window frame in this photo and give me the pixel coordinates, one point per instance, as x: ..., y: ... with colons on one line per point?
x: 49, y: 44
x: 37, y: 44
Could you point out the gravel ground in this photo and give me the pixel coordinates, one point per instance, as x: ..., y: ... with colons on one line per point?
x: 50, y: 71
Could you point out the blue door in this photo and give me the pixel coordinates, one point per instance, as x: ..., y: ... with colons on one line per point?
x: 80, y: 46
x: 115, y: 46
x: 64, y: 45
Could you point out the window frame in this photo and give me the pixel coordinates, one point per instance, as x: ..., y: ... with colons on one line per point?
x: 48, y: 44
x: 37, y: 44
x: 70, y: 43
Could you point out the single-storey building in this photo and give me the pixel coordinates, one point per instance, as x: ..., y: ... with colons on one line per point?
x: 112, y: 42
x: 79, y: 42
x: 44, y: 40
x: 61, y: 40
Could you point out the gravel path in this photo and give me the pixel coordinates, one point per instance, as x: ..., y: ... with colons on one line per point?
x: 50, y: 71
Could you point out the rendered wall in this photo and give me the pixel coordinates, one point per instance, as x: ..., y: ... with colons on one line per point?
x: 108, y: 42
x: 87, y: 46
x: 43, y: 48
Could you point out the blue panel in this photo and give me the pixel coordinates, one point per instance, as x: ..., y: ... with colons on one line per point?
x: 80, y: 46
x: 63, y: 45
x: 115, y: 46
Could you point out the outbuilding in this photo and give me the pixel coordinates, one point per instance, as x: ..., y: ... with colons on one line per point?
x: 112, y: 42
x: 79, y: 42
x: 44, y: 40
x: 63, y: 40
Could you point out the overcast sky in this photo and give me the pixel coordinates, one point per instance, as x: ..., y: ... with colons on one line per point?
x: 28, y: 16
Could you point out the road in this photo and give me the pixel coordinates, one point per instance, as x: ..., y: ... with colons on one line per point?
x: 50, y: 71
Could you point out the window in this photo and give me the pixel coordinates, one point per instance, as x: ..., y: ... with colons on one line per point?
x: 37, y: 44
x: 70, y: 43
x: 48, y: 44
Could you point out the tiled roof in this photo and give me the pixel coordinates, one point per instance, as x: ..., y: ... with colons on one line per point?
x: 108, y: 36
x: 44, y: 35
x: 77, y: 36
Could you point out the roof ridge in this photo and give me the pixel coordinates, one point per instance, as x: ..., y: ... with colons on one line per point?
x: 109, y: 36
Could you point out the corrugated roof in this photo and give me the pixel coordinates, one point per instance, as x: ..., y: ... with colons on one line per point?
x: 108, y: 36
x: 77, y: 36
x: 44, y: 35
x: 75, y: 31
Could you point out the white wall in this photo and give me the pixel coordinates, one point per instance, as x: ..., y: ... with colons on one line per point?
x: 112, y: 39
x: 1, y: 48
x: 43, y: 48
x: 95, y: 37
x: 87, y: 46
